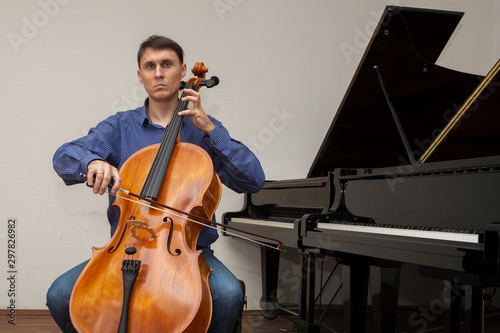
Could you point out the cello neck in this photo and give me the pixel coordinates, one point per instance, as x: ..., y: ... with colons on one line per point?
x: 154, y: 179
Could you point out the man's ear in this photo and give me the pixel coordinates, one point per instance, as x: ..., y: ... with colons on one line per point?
x: 183, y: 70
x: 139, y: 76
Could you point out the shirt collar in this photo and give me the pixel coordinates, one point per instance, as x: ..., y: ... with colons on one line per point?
x: 144, y: 116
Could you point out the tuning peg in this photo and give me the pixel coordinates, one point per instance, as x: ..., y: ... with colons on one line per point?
x: 212, y: 82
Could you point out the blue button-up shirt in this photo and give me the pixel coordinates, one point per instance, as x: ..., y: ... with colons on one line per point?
x: 116, y: 138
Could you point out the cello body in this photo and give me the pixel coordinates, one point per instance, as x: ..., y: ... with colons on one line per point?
x: 171, y: 292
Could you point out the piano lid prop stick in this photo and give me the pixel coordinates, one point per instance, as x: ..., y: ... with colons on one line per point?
x: 396, y: 118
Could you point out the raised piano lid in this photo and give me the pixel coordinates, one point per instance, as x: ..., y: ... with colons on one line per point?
x: 405, y: 46
x: 474, y: 131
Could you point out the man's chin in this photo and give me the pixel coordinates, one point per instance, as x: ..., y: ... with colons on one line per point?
x: 161, y: 98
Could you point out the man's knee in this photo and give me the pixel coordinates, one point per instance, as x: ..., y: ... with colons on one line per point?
x: 233, y: 294
x: 53, y: 296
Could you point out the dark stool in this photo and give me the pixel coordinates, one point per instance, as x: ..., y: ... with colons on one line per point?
x: 459, y: 279
x: 238, y: 324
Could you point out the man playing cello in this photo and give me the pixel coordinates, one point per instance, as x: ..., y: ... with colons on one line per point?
x: 102, y: 152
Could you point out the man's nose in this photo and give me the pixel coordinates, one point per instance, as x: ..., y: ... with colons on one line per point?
x: 158, y: 71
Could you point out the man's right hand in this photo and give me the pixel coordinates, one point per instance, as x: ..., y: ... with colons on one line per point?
x: 103, y: 172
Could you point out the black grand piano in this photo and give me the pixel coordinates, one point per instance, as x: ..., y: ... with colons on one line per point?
x: 409, y: 172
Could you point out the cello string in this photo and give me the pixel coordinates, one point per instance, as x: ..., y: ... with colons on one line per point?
x: 168, y: 141
x: 175, y: 124
x: 197, y: 222
x: 136, y: 212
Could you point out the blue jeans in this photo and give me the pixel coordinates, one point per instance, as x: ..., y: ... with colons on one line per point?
x: 227, y: 296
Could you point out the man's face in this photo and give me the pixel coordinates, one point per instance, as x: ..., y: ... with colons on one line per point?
x: 161, y: 73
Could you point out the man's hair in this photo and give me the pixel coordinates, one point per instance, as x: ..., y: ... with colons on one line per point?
x: 160, y: 43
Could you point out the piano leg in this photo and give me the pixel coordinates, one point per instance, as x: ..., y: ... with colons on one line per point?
x: 456, y: 294
x: 270, y: 268
x: 305, y: 323
x: 355, y: 276
x: 385, y: 287
x: 477, y: 309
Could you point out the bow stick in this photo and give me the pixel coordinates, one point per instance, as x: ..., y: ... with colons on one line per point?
x: 196, y: 219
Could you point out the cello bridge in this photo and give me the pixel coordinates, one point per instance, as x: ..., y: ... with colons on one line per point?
x: 135, y: 224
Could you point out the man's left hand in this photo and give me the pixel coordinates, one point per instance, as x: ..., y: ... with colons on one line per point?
x: 197, y: 115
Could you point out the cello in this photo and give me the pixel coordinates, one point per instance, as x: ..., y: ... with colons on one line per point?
x: 150, y: 277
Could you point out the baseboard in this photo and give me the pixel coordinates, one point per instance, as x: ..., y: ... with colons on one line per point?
x: 46, y: 312
x: 27, y: 312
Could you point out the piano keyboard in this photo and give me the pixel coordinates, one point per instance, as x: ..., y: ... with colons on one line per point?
x: 281, y: 223
x: 466, y: 236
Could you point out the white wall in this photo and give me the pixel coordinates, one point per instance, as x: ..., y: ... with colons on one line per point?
x: 65, y: 65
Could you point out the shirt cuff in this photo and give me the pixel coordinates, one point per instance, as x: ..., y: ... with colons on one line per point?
x: 218, y: 139
x: 86, y: 160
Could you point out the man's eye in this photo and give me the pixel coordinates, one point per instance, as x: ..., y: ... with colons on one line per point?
x: 166, y: 65
x: 150, y: 66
